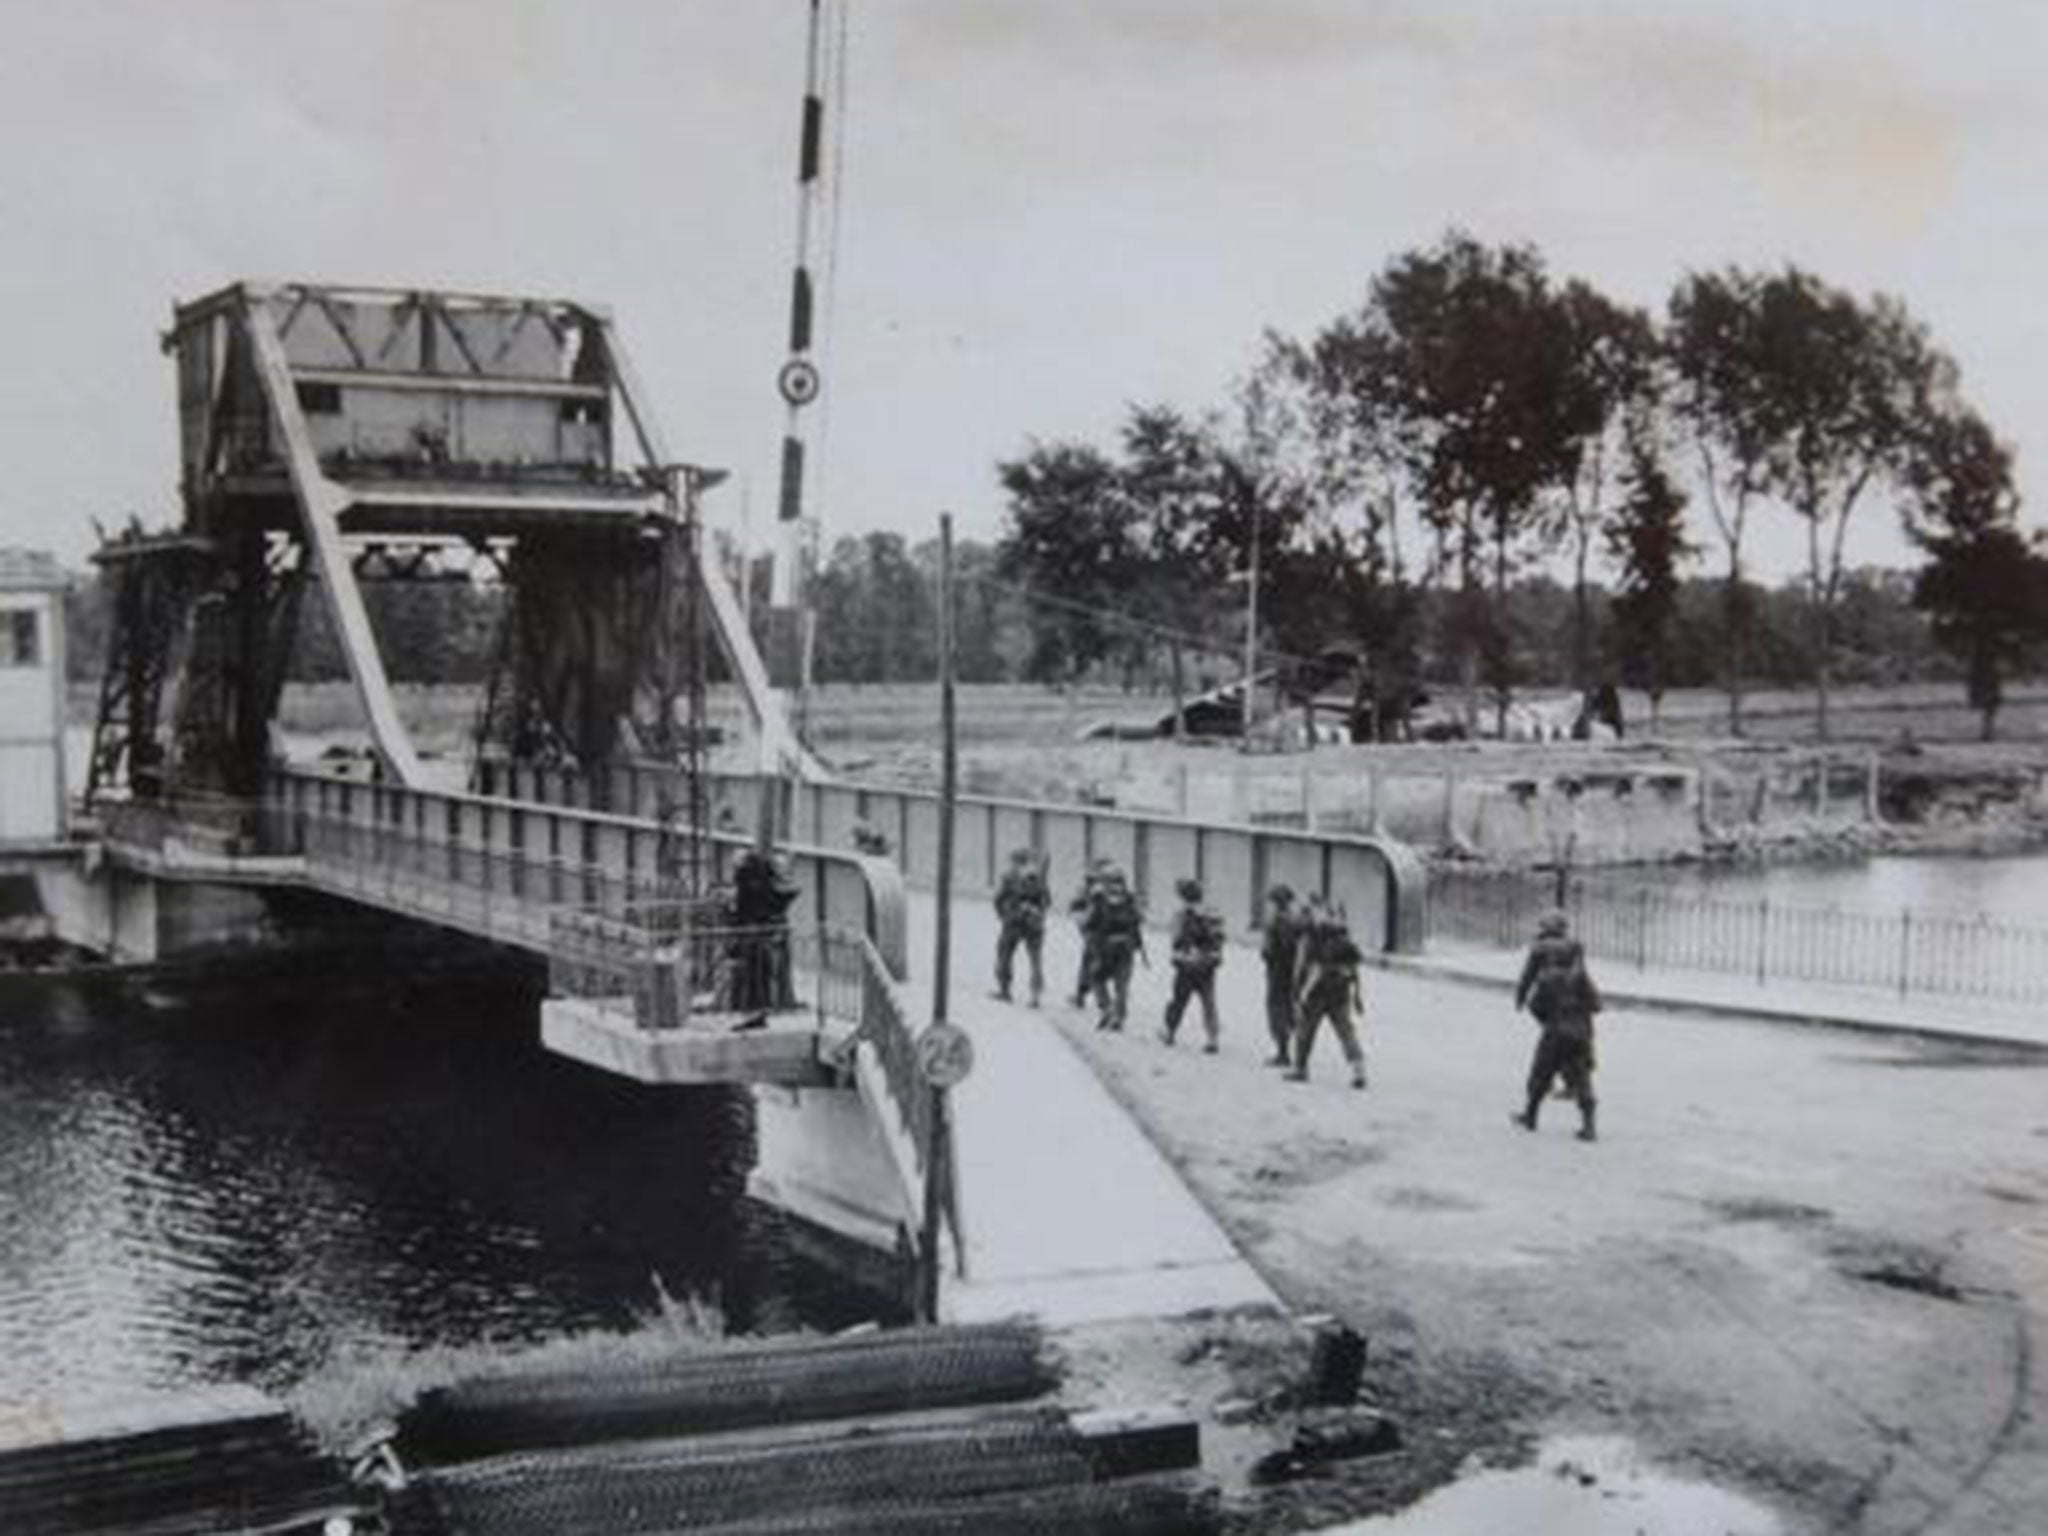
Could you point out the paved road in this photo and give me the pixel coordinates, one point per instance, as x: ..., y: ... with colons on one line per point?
x: 1811, y: 1263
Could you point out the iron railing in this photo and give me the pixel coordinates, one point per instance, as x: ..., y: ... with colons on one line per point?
x: 1910, y: 951
x: 665, y: 965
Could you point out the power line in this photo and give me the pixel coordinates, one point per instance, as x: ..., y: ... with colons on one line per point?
x: 1117, y: 618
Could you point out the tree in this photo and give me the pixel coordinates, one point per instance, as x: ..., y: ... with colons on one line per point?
x: 1610, y: 371
x: 1480, y: 365
x: 1072, y: 533
x: 1985, y: 587
x: 1843, y: 386
x: 1712, y: 352
x: 1647, y: 542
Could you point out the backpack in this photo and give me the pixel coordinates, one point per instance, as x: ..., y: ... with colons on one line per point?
x: 1563, y: 986
x: 1116, y: 912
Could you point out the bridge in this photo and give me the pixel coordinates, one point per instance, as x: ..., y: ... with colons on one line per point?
x: 334, y: 440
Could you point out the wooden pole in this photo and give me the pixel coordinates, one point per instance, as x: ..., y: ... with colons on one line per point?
x: 938, y: 1171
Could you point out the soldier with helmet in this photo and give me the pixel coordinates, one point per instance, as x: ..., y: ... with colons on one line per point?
x: 1327, y: 989
x: 1084, y: 899
x: 1197, y: 955
x: 1559, y: 993
x: 1281, y: 952
x: 1021, y: 900
x: 1113, y: 929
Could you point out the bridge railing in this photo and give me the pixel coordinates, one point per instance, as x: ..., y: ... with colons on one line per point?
x: 668, y: 965
x: 890, y: 1037
x: 502, y: 867
x: 1380, y: 882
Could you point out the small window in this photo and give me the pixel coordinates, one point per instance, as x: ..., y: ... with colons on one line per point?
x: 320, y: 399
x: 21, y: 639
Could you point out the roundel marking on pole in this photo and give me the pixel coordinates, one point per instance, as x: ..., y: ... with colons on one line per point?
x: 945, y: 1055
x: 798, y: 381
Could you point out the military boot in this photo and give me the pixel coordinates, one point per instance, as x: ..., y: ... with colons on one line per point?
x: 1587, y: 1128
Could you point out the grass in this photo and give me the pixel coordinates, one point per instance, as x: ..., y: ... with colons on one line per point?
x: 358, y: 1393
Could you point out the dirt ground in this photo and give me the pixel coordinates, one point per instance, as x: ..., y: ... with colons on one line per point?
x: 1805, y: 1265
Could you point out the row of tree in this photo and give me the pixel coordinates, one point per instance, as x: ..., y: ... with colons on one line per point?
x: 1396, y: 474
x: 878, y: 623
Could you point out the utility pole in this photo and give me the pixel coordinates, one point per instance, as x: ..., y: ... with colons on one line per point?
x: 1251, y: 633
x: 949, y: 766
x: 938, y: 1171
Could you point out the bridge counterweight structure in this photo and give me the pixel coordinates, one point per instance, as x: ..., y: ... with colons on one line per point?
x: 323, y: 428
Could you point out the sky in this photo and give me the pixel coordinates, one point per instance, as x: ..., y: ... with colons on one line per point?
x: 1049, y: 210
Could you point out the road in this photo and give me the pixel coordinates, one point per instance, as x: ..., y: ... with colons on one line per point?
x: 1808, y: 1264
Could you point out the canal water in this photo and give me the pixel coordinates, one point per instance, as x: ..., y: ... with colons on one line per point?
x: 2011, y: 888
x: 245, y: 1191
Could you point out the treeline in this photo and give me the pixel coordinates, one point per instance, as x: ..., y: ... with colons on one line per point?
x: 1397, y: 477
x: 1482, y: 475
x: 878, y: 623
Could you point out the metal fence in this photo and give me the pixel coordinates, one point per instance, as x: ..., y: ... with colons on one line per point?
x: 1908, y: 951
x: 667, y: 964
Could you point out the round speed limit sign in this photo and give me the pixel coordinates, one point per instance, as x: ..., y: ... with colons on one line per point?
x: 945, y: 1055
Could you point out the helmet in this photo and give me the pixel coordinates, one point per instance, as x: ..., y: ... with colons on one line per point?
x: 1553, y: 925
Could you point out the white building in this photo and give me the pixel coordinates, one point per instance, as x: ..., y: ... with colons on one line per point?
x: 32, y: 782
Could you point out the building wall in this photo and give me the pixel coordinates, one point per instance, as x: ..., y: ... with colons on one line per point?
x: 32, y: 789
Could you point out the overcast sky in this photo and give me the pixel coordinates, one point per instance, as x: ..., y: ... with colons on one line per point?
x: 1051, y: 207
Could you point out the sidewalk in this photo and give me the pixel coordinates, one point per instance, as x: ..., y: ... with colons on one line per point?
x: 1070, y: 1213
x: 1871, y: 1009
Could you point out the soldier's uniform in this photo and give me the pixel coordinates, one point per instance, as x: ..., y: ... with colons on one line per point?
x: 1281, y: 951
x: 1197, y: 954
x: 1082, y: 904
x: 1558, y: 992
x: 759, y: 951
x: 1327, y: 990
x: 1115, y: 931
x: 1021, y: 901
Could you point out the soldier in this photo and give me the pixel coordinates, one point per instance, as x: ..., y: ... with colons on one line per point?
x: 1327, y: 989
x: 1114, y: 931
x: 1281, y: 951
x: 1197, y: 954
x: 761, y: 898
x: 1021, y: 901
x: 1561, y: 997
x: 1080, y: 907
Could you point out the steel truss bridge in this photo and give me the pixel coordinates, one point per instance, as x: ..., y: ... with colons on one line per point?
x: 334, y: 437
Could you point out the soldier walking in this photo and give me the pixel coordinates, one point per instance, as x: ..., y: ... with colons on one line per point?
x: 1559, y: 993
x: 1197, y: 954
x: 1080, y: 906
x: 1114, y: 932
x: 1021, y: 901
x: 1281, y: 952
x: 1328, y: 990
